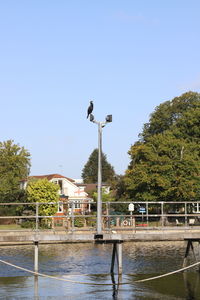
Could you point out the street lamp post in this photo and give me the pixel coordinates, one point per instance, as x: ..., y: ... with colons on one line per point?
x: 99, y: 188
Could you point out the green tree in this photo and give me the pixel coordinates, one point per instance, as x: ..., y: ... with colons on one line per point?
x: 165, y: 162
x: 120, y: 188
x: 90, y: 170
x: 43, y: 191
x: 171, y: 115
x: 14, y: 166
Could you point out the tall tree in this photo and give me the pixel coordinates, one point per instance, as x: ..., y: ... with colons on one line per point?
x: 170, y: 115
x: 90, y: 170
x: 165, y: 162
x: 14, y: 166
x: 164, y: 169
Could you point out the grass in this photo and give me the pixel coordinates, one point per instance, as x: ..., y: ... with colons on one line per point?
x: 10, y: 227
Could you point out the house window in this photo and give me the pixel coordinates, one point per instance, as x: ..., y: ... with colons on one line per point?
x: 60, y: 207
x: 77, y: 204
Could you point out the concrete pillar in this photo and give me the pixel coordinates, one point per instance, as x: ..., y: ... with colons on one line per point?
x: 36, y: 250
x: 113, y: 259
x: 119, y: 256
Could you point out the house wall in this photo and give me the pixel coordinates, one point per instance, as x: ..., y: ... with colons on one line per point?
x: 69, y: 189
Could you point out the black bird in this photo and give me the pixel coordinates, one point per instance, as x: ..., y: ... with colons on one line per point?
x: 90, y: 109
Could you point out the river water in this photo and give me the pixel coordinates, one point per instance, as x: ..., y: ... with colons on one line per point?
x: 87, y: 262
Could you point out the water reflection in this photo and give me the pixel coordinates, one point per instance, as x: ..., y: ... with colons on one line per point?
x: 192, y: 285
x: 36, y: 290
x: 116, y: 285
x: 139, y: 260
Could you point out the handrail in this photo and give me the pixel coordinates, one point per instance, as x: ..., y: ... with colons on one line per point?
x: 160, y: 210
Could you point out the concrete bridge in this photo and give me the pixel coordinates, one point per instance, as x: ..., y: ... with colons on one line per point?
x: 49, y: 236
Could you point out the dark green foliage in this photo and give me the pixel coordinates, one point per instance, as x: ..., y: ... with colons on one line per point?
x: 171, y: 115
x: 120, y: 188
x: 28, y: 224
x: 90, y: 170
x: 14, y: 166
x: 165, y: 163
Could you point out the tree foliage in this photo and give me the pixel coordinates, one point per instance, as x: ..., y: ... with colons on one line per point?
x: 90, y: 170
x: 171, y: 115
x: 14, y: 166
x: 165, y: 162
x: 43, y: 191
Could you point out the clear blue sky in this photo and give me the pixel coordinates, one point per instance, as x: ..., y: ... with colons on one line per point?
x: 55, y: 56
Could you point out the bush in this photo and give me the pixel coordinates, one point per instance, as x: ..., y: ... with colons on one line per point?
x: 28, y: 224
x: 79, y: 222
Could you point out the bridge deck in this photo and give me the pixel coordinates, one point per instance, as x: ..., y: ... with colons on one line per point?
x: 63, y: 237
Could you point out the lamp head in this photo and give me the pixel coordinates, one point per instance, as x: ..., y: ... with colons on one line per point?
x: 91, y: 117
x: 109, y: 118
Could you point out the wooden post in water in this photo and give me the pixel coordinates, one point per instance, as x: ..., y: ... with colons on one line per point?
x: 36, y: 248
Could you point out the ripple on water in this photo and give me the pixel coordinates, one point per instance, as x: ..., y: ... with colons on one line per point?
x: 143, y: 259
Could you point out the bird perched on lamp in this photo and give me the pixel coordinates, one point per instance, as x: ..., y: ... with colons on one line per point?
x: 90, y: 108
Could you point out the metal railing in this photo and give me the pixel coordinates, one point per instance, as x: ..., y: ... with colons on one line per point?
x: 115, y: 216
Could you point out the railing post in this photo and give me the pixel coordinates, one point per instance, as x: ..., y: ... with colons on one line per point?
x: 37, y: 218
x: 185, y: 214
x: 162, y: 212
x: 73, y: 216
x: 147, y: 213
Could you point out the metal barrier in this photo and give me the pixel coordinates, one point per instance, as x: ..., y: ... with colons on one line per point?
x: 72, y: 216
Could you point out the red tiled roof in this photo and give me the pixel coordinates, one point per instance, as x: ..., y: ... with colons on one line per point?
x: 51, y: 176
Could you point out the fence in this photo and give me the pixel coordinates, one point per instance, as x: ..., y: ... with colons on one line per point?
x: 115, y: 216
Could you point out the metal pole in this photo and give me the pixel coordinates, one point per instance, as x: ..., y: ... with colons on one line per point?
x: 99, y: 190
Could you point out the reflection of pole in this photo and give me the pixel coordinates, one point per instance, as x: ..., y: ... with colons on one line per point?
x: 36, y: 297
x: 99, y: 202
